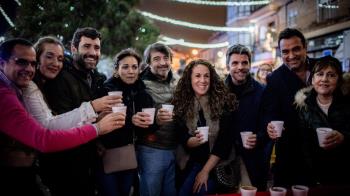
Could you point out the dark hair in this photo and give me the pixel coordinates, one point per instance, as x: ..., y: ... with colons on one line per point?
x: 125, y: 53
x: 329, y: 61
x: 289, y: 33
x: 219, y: 96
x: 6, y: 48
x: 39, y: 45
x: 158, y: 47
x: 238, y: 49
x: 87, y: 32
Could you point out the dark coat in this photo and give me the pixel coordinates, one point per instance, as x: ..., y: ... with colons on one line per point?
x: 246, y: 118
x: 277, y: 104
x: 326, y: 167
x: 135, y: 98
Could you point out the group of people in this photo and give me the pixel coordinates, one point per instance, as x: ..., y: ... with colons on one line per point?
x: 57, y: 124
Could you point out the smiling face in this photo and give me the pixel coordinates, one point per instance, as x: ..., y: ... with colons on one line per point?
x: 160, y: 64
x: 325, y: 81
x: 200, y: 80
x: 128, y: 69
x: 88, y: 53
x: 239, y: 67
x: 293, y: 52
x: 20, y: 67
x: 51, y: 60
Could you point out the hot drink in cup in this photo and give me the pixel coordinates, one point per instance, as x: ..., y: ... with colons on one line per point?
x: 322, y: 133
x: 278, y: 127
x: 300, y: 190
x: 205, y: 132
x: 121, y: 109
x: 248, y: 190
x: 168, y: 107
x: 278, y: 191
x: 151, y: 112
x: 117, y: 93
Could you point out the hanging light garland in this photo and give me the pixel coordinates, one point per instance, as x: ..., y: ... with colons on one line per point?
x: 171, y: 41
x: 193, y: 25
x: 6, y: 17
x: 224, y: 3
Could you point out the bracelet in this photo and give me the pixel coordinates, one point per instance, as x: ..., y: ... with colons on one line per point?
x: 97, y: 127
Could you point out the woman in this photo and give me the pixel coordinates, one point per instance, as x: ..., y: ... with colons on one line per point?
x: 201, y: 99
x: 263, y: 71
x: 49, y: 51
x: 125, y: 79
x: 323, y: 105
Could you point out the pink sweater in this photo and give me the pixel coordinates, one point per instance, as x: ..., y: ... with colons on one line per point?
x: 17, y: 123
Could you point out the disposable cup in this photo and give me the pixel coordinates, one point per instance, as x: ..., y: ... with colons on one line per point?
x: 205, y: 132
x: 120, y: 93
x: 168, y: 107
x: 151, y: 112
x: 300, y: 190
x: 278, y: 191
x: 278, y: 127
x: 121, y: 109
x: 322, y: 133
x: 245, y: 135
x: 248, y: 190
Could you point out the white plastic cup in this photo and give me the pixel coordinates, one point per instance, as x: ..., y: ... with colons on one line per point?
x: 118, y: 93
x: 278, y: 127
x: 168, y: 107
x: 322, y: 133
x: 151, y: 112
x: 300, y: 190
x: 121, y: 109
x: 205, y: 132
x: 248, y: 190
x: 245, y: 135
x: 278, y: 191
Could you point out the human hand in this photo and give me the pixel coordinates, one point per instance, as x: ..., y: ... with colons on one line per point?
x: 201, y: 179
x: 164, y: 116
x: 111, y: 122
x: 106, y: 103
x: 271, y: 131
x: 141, y: 119
x: 195, y: 141
x: 251, y: 141
x: 333, y: 139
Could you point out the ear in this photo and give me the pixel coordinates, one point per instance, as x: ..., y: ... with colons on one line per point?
x: 2, y: 64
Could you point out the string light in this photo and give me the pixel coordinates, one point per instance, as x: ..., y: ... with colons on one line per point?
x: 18, y: 2
x: 193, y: 25
x: 6, y: 17
x: 224, y: 3
x: 171, y: 41
x: 328, y: 6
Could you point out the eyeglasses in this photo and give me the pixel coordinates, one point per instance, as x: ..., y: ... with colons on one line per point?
x: 24, y: 62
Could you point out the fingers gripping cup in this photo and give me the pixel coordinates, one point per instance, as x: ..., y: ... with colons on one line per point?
x: 322, y: 133
x: 205, y: 132
x: 278, y: 127
x: 151, y: 112
x: 245, y: 135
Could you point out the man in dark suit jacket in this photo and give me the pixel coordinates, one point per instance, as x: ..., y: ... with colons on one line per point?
x: 277, y: 104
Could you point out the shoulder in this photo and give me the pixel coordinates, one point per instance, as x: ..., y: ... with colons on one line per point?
x: 30, y: 89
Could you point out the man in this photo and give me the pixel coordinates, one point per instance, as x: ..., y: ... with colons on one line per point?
x: 71, y: 172
x: 277, y: 104
x: 156, y: 149
x: 248, y: 92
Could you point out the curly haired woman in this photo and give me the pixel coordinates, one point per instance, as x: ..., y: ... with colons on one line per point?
x: 201, y: 99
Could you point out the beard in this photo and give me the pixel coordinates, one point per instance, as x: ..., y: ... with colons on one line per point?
x: 80, y: 61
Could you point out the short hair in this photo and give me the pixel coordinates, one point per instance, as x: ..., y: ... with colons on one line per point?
x: 329, y: 61
x: 6, y: 48
x: 89, y: 32
x: 238, y: 49
x: 125, y: 53
x: 158, y: 47
x: 289, y: 33
x: 39, y: 45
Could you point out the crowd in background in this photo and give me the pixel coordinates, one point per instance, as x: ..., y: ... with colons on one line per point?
x: 65, y: 129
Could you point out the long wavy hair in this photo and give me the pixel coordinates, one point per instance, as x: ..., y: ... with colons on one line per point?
x: 219, y: 96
